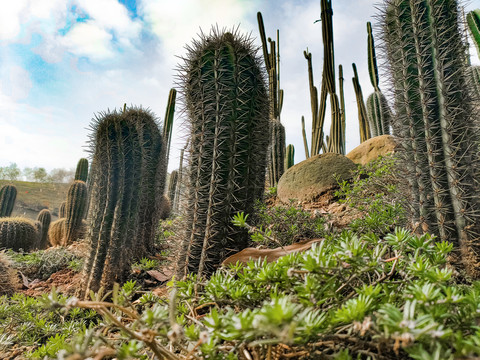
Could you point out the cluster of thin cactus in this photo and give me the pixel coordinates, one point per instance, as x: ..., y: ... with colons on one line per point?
x: 271, y: 55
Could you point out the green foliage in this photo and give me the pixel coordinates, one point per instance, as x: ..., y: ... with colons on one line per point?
x: 288, y: 225
x: 146, y: 264
x: 377, y: 192
x: 33, y: 324
x: 227, y: 105
x: 43, y: 263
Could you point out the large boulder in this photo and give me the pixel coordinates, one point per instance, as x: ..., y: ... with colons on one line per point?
x: 312, y: 177
x: 373, y: 148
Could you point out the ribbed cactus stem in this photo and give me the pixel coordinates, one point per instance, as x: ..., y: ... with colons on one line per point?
x: 44, y: 217
x: 343, y: 116
x: 473, y: 22
x: 81, y: 173
x: 277, y: 153
x: 75, y: 210
x: 290, y: 156
x: 434, y: 117
x: 8, y: 195
x: 304, y: 135
x: 62, y: 209
x: 372, y: 58
x: 228, y: 109
x: 168, y: 123
x: 172, y: 185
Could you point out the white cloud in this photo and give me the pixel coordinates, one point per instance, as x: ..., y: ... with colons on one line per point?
x: 176, y: 23
x: 16, y: 82
x: 90, y: 40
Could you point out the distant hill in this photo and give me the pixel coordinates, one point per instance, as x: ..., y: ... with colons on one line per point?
x: 33, y: 197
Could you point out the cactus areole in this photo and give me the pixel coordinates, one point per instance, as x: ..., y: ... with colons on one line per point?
x: 226, y: 101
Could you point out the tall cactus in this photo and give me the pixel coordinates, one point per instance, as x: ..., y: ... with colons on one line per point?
x: 44, y: 217
x: 473, y: 22
x: 364, y: 128
x: 81, y: 173
x: 434, y: 117
x: 227, y: 105
x: 271, y: 54
x: 8, y: 195
x: 19, y: 233
x: 75, y: 210
x: 290, y: 156
x: 378, y: 112
x: 123, y: 151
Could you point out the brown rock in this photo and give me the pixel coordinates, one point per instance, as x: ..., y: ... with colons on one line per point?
x: 372, y: 148
x: 310, y: 178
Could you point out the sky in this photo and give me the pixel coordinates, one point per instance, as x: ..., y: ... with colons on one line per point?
x: 63, y: 61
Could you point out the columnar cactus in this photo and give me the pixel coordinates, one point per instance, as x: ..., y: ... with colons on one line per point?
x: 473, y: 22
x: 276, y: 162
x: 44, y: 217
x: 19, y: 233
x: 125, y: 155
x: 227, y: 105
x: 378, y: 112
x: 364, y: 128
x: 81, y: 172
x: 172, y: 186
x: 75, y: 210
x: 8, y: 195
x: 435, y: 119
x: 290, y: 156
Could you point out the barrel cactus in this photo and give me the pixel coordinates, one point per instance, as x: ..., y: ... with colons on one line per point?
x: 18, y: 233
x: 62, y: 209
x: 126, y: 156
x: 81, y: 173
x: 8, y: 195
x: 434, y: 117
x: 44, y: 217
x: 227, y: 105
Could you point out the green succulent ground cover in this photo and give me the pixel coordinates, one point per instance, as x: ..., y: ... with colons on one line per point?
x: 372, y: 291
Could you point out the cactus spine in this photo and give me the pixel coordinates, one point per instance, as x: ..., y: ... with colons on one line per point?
x: 44, y: 217
x: 434, y: 117
x: 362, y: 111
x: 81, y: 172
x: 19, y: 233
x: 378, y: 111
x: 8, y: 195
x: 227, y: 104
x: 290, y: 156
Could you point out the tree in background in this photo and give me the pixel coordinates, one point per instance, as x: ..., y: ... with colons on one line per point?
x: 11, y: 172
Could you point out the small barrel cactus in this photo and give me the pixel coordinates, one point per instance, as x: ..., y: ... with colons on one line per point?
x: 8, y: 195
x: 44, y: 217
x: 19, y: 233
x: 62, y: 209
